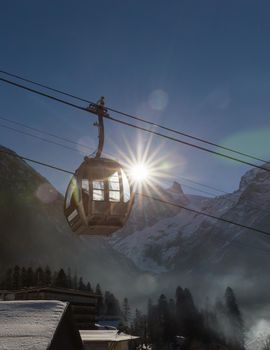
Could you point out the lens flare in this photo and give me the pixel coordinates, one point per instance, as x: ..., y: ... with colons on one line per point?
x: 139, y: 172
x: 158, y: 100
x: 146, y: 163
x: 46, y: 193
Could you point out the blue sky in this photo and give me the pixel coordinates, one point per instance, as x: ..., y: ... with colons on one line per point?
x: 201, y: 67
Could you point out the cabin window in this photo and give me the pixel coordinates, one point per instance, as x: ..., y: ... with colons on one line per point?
x: 114, y: 187
x: 126, y: 187
x: 114, y: 196
x: 72, y: 215
x: 72, y: 192
x: 85, y: 185
x: 98, y: 190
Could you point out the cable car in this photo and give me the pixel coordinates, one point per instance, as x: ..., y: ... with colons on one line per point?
x: 98, y: 199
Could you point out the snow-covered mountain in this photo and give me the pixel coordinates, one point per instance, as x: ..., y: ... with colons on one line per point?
x: 161, y: 246
x: 164, y: 242
x: 207, y: 255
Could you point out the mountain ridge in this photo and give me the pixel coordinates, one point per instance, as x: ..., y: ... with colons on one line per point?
x: 161, y: 246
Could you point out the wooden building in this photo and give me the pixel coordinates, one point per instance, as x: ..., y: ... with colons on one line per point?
x: 83, y: 304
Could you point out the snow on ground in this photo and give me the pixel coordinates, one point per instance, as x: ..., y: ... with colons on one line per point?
x: 27, y: 325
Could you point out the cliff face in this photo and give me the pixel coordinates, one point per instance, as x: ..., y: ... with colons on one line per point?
x: 184, y: 240
x: 34, y: 230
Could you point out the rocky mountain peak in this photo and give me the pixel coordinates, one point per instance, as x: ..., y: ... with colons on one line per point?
x: 176, y: 188
x: 177, y: 193
x: 255, y: 176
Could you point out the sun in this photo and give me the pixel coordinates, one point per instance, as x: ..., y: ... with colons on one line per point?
x: 139, y: 172
x: 146, y: 164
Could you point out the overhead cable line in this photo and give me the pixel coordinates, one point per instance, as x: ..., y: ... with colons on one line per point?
x: 90, y: 149
x: 27, y: 126
x: 13, y: 154
x: 78, y: 151
x: 145, y: 195
x: 47, y: 133
x: 204, y: 185
x: 134, y: 126
x: 140, y: 119
x: 199, y: 190
x: 40, y: 138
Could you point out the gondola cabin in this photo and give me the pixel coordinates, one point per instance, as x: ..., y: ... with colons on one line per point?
x: 98, y: 198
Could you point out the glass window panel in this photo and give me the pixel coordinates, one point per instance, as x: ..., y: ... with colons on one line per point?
x: 114, y: 196
x: 98, y: 185
x: 72, y: 215
x: 114, y: 182
x: 68, y: 198
x: 72, y: 191
x: 114, y: 177
x: 85, y: 185
x: 114, y: 186
x: 126, y: 187
x: 98, y: 195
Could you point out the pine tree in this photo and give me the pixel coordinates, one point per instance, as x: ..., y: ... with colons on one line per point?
x: 139, y: 326
x: 163, y: 319
x: 61, y: 279
x: 24, y: 277
x: 69, y: 279
x: 126, y: 311
x: 172, y: 327
x: 48, y: 276
x: 100, y: 301
x: 81, y: 284
x: 16, y: 278
x: 150, y: 321
x: 54, y: 279
x: 39, y: 276
x: 98, y: 289
x: 112, y: 307
x: 8, y: 279
x: 88, y: 287
x: 236, y: 323
x: 75, y: 281
x: 180, y: 312
x: 30, y: 277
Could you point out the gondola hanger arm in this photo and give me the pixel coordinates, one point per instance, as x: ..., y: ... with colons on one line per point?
x: 100, y: 110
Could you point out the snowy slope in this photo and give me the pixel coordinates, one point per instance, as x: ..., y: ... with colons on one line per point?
x: 173, y: 240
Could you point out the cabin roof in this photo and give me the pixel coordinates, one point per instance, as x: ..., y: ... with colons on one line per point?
x: 29, y: 324
x: 53, y: 289
x: 105, y: 336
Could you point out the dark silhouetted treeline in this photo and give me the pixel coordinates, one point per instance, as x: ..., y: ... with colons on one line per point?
x: 178, y: 324
x: 20, y: 277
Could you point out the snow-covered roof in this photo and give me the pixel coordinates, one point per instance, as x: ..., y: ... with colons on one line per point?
x: 29, y: 324
x: 105, y: 336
